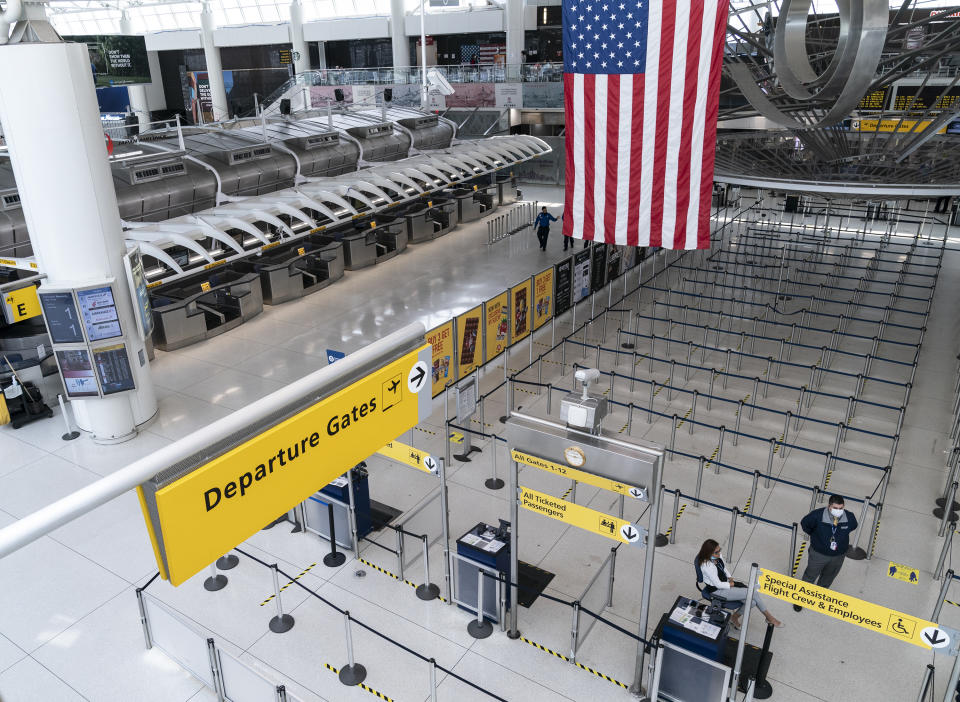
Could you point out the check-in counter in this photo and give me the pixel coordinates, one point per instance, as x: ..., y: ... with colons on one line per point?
x: 468, y: 208
x: 488, y: 198
x: 420, y: 225
x: 295, y: 270
x: 506, y: 189
x: 365, y: 245
x: 445, y: 215
x: 188, y: 311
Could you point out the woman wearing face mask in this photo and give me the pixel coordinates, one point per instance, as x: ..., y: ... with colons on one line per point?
x: 829, y: 529
x: 718, y: 584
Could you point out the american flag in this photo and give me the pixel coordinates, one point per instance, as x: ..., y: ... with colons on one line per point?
x: 641, y: 92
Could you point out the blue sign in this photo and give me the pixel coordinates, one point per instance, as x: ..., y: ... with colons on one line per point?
x: 334, y: 355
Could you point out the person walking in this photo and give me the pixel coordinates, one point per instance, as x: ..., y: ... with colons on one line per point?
x: 542, y: 222
x: 716, y: 583
x: 829, y: 530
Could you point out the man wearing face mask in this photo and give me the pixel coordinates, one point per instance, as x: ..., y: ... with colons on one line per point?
x: 829, y: 529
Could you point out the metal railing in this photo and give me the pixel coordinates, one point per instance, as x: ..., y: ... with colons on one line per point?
x: 517, y: 219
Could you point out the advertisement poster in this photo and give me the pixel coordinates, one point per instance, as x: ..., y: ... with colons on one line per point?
x: 469, y: 342
x: 115, y: 59
x: 543, y: 297
x: 441, y: 339
x: 77, y: 373
x: 599, y: 267
x: 614, y: 261
x: 581, y: 275
x: 520, y: 311
x: 562, y: 288
x: 201, y: 102
x: 496, y: 312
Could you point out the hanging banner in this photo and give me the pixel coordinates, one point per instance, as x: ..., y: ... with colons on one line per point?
x: 441, y: 340
x: 852, y: 610
x: 583, y: 517
x: 520, y: 311
x: 496, y: 312
x: 469, y: 341
x: 563, y: 286
x: 543, y: 297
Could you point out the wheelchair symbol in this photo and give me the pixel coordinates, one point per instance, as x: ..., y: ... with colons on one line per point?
x: 897, y: 625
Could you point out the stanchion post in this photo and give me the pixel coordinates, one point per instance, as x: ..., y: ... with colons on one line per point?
x: 215, y: 581
x: 794, y: 530
x: 753, y: 497
x: 773, y: 448
x: 144, y: 620
x: 673, y: 436
x: 479, y: 628
x: 734, y: 513
x: 951, y: 689
x: 427, y: 591
x: 947, y: 543
x: 335, y: 558
x: 856, y: 553
x: 215, y: 671
x: 445, y: 528
x: 944, y: 587
x: 877, y: 511
x: 514, y: 494
x: 70, y: 434
x: 281, y: 622
x: 574, y: 629
x: 738, y: 662
x: 701, y: 462
x: 433, y: 680
x: 352, y: 512
x: 352, y: 673
x: 673, y: 522
x: 719, y: 459
x: 946, y: 510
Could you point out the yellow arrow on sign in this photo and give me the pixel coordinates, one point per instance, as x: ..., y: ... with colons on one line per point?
x: 868, y: 615
x: 410, y: 456
x: 578, y: 475
x: 579, y: 516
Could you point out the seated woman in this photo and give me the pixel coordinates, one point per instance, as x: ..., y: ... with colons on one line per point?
x: 718, y: 584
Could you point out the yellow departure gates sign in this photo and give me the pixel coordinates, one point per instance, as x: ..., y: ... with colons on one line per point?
x: 408, y: 455
x: 213, y: 508
x: 579, y: 516
x: 22, y: 304
x: 835, y: 604
x: 578, y: 475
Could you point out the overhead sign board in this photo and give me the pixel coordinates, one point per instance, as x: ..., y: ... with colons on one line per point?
x: 868, y: 615
x: 198, y: 517
x: 580, y: 476
x: 21, y: 304
x: 580, y: 516
x: 408, y: 455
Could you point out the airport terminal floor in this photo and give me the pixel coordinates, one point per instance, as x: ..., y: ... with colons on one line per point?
x: 70, y: 628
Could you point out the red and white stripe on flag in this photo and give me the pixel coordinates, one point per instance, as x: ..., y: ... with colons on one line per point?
x: 640, y: 147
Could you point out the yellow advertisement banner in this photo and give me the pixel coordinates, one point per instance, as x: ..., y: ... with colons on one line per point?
x: 408, y: 455
x: 469, y: 341
x: 579, y: 516
x: 496, y: 315
x: 443, y: 368
x: 868, y: 615
x: 520, y: 311
x: 543, y: 297
x: 578, y: 475
x: 224, y: 502
x: 893, y: 125
x: 22, y: 304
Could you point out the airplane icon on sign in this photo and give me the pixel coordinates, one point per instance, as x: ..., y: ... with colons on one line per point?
x: 393, y: 386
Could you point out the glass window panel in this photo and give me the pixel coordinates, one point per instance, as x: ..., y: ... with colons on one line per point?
x: 234, y: 17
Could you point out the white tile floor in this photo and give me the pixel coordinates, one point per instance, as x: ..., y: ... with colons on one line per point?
x: 69, y: 624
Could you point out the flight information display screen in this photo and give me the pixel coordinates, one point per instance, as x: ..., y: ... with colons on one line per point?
x: 60, y: 311
x: 99, y: 312
x: 113, y: 369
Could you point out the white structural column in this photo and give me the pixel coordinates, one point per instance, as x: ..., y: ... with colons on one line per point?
x: 137, y: 94
x: 66, y: 190
x: 514, y: 24
x: 301, y: 63
x: 218, y: 92
x: 398, y: 34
